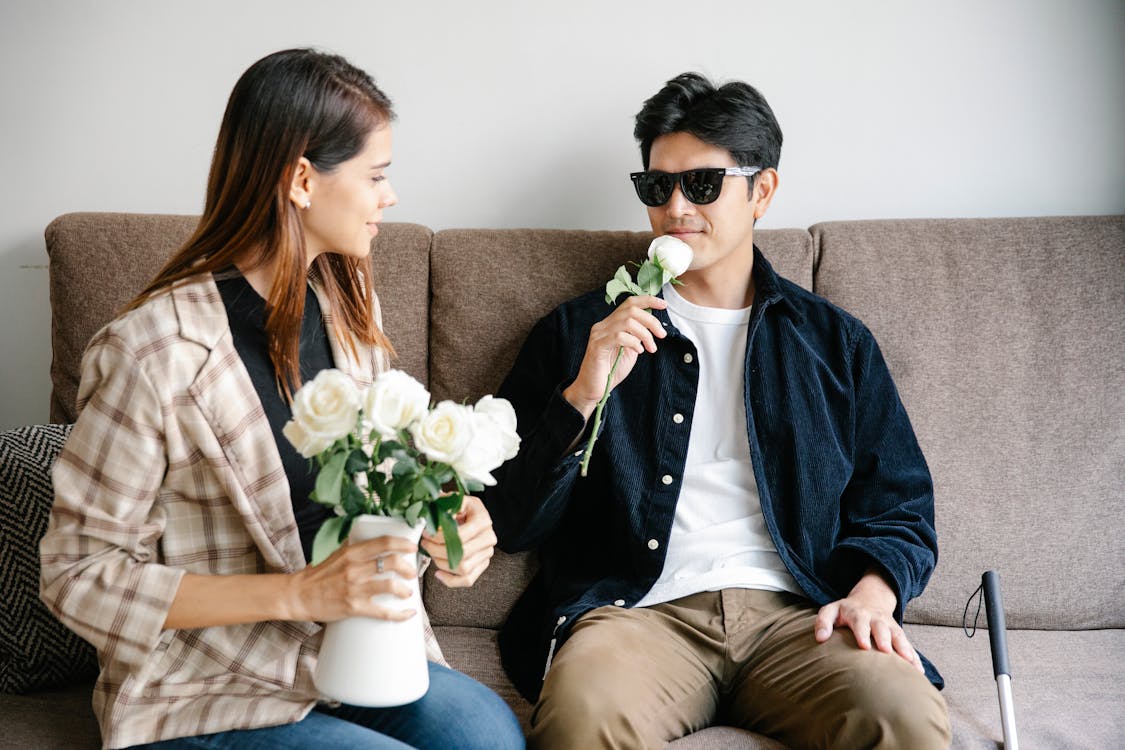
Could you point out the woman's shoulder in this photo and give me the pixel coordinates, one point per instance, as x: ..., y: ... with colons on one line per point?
x: 159, y: 321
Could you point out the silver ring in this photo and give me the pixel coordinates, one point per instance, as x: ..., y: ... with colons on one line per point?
x: 379, y: 565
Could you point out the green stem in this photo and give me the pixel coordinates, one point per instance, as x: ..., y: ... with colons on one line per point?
x: 598, y: 412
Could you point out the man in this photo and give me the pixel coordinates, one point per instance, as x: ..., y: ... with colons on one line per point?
x: 757, y: 511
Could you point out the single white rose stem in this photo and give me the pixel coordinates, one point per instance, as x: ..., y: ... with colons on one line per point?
x: 598, y: 413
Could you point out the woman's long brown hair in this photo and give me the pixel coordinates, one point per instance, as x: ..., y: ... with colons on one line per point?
x: 287, y: 105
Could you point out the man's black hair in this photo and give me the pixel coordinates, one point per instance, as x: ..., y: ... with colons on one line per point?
x: 734, y: 116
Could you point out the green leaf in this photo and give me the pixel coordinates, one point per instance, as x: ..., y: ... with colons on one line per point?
x: 400, y: 495
x: 650, y: 277
x: 327, y: 539
x: 623, y: 276
x: 378, y: 483
x: 450, y: 503
x: 429, y: 513
x: 405, y: 465
x: 474, y: 487
x: 345, y: 529
x: 433, y: 487
x: 330, y: 478
x: 452, y: 539
x: 357, y: 462
x: 354, y: 501
x: 613, y: 290
x: 386, y: 449
x: 413, y: 512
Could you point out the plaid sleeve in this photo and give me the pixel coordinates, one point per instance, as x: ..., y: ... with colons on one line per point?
x: 100, y: 574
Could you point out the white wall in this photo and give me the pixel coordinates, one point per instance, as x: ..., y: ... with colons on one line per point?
x: 520, y: 113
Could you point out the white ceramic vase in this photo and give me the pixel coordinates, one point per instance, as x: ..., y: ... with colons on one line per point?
x: 368, y: 662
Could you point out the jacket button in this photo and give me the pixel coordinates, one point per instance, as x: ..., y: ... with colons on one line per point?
x: 619, y: 603
x: 653, y: 544
x: 688, y: 358
x: 678, y: 418
x: 667, y: 479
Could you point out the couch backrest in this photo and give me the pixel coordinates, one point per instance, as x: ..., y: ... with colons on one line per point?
x: 100, y: 261
x: 489, y: 287
x: 1006, y: 338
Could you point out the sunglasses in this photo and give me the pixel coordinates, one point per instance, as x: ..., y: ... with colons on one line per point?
x: 700, y: 186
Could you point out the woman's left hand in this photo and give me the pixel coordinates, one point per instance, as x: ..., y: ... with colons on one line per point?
x: 478, y: 541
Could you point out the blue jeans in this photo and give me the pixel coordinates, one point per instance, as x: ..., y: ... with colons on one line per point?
x: 456, y: 712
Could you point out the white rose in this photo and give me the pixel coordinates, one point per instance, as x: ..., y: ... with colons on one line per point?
x: 483, y: 453
x: 443, y: 433
x: 500, y: 411
x: 393, y: 401
x: 673, y: 255
x: 307, y: 444
x: 324, y: 410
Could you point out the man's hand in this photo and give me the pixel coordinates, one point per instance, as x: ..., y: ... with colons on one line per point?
x: 478, y: 541
x: 868, y: 610
x: 632, y: 328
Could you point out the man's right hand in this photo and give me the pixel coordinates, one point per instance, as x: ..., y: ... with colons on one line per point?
x: 630, y: 327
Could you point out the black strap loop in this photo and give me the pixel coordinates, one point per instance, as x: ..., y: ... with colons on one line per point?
x: 965, y: 617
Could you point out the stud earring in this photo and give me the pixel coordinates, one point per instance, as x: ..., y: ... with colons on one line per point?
x: 308, y: 202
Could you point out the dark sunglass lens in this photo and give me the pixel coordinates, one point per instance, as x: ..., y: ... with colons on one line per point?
x: 702, y: 185
x: 655, y: 189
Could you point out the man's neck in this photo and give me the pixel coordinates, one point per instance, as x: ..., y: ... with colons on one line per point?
x: 723, y: 285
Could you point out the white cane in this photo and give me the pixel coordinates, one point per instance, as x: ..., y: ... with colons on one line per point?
x: 998, y: 640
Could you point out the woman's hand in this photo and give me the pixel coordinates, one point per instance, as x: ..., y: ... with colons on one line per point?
x: 478, y: 541
x: 344, y: 584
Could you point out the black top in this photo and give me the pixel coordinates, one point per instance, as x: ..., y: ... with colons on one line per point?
x: 246, y: 313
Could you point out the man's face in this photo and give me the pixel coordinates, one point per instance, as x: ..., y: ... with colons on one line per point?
x: 721, y: 233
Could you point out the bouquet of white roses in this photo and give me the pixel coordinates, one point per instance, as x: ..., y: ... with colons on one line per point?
x: 668, y: 258
x: 385, y: 451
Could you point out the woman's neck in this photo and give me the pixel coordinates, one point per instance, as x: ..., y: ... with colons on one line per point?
x: 260, y: 276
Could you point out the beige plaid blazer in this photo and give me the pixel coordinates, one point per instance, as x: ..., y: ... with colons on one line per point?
x: 172, y: 468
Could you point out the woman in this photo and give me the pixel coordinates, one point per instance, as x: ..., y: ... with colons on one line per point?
x: 181, y: 525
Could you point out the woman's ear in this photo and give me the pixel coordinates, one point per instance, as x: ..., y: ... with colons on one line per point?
x: 301, y: 189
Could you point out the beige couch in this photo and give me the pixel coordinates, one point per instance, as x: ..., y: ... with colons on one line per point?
x: 1006, y: 338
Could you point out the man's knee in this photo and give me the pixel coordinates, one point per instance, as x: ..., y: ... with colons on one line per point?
x: 584, y: 709
x: 892, y: 708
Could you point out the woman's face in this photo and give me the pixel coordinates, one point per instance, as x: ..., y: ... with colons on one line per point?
x: 347, y: 204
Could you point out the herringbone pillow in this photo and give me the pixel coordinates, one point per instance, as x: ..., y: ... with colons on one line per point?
x: 36, y: 651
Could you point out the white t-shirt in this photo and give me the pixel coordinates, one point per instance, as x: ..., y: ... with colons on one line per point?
x: 719, y: 538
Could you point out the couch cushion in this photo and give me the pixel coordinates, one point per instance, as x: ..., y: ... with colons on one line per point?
x: 55, y: 720
x: 99, y: 261
x: 1066, y: 686
x: 36, y: 651
x: 487, y: 603
x: 1006, y: 340
x: 474, y: 652
x: 489, y: 288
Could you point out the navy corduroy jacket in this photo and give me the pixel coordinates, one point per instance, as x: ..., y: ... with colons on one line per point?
x: 842, y: 481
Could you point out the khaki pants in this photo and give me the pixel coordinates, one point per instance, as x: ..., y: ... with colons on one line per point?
x: 638, y: 678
